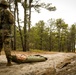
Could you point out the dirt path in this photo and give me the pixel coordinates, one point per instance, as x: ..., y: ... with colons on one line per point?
x: 55, y: 65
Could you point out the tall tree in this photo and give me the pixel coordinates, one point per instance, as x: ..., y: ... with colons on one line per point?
x: 21, y: 37
x: 51, y: 29
x: 73, y: 37
x: 40, y: 25
x: 29, y: 23
x: 61, y: 26
x: 58, y: 23
x: 25, y: 25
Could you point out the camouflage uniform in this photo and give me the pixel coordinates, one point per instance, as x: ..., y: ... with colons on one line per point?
x: 6, y: 20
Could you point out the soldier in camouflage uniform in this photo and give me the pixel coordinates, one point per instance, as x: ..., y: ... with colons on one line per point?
x: 6, y: 20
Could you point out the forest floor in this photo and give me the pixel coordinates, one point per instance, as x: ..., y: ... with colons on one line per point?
x: 57, y: 64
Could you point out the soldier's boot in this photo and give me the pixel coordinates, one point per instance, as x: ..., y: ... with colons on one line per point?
x: 9, y: 62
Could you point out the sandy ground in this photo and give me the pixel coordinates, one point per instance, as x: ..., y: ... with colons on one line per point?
x: 57, y: 64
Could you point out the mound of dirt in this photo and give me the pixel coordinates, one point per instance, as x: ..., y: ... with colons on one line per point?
x: 57, y: 64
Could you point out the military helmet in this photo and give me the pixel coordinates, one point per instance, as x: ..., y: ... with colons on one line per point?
x: 3, y: 2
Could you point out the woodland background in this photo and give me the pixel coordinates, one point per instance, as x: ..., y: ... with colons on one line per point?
x: 55, y: 35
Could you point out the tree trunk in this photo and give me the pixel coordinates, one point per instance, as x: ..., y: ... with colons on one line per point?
x: 25, y: 26
x: 15, y: 26
x: 19, y: 28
